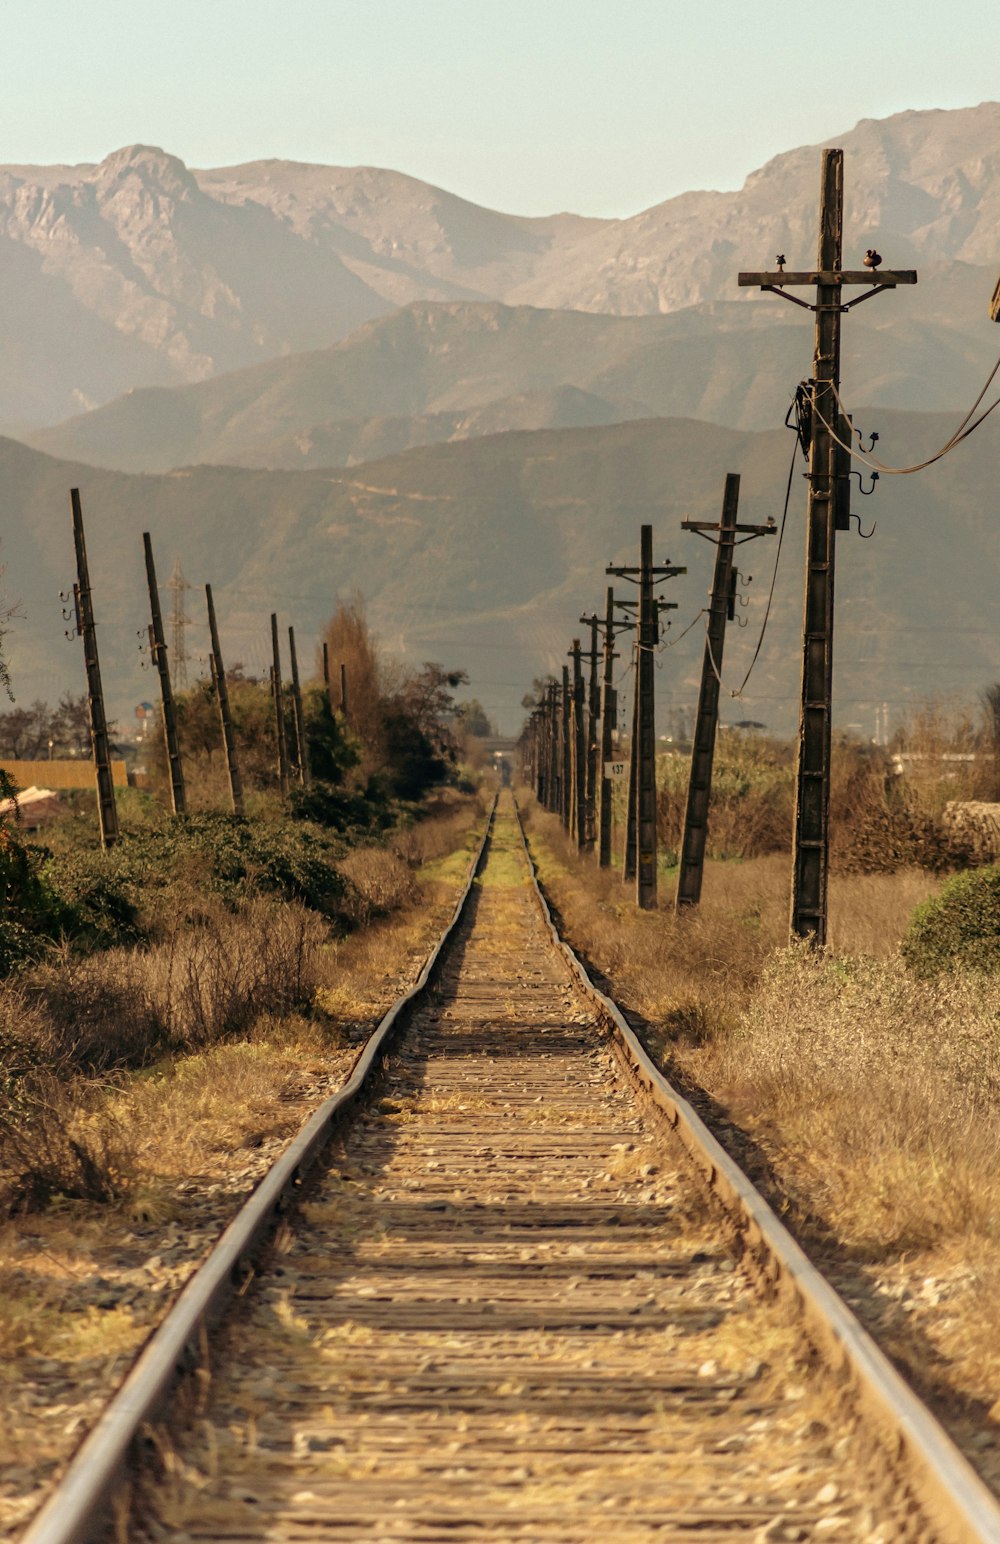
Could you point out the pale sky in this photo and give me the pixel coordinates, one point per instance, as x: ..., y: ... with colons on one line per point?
x: 599, y: 106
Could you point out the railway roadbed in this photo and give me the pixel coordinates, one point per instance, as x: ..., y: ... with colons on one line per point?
x: 505, y: 1309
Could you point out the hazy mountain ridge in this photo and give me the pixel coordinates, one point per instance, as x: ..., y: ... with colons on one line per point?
x: 483, y: 553
x: 139, y: 271
x: 436, y: 371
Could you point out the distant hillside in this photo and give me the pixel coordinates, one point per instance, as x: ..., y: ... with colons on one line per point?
x: 140, y: 272
x: 434, y: 372
x: 482, y: 553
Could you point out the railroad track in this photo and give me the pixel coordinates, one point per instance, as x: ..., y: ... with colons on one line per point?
x: 523, y: 1296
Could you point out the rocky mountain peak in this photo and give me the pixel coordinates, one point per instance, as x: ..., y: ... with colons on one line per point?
x: 146, y: 167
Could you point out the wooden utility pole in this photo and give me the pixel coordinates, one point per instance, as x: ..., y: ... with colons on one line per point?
x: 326, y: 673
x: 107, y: 810
x: 225, y: 717
x: 279, y: 708
x: 158, y: 649
x: 579, y: 751
x: 555, y: 740
x: 609, y: 718
x: 828, y: 509
x: 632, y: 800
x: 720, y: 610
x: 593, y: 715
x: 301, y: 750
x: 643, y: 772
x: 566, y: 755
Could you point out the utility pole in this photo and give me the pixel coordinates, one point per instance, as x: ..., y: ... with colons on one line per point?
x: 593, y: 715
x: 579, y: 752
x: 301, y: 753
x: 158, y: 649
x: 555, y: 785
x: 107, y: 810
x: 567, y: 753
x: 828, y: 511
x: 609, y: 718
x: 279, y: 708
x: 631, y: 800
x: 326, y: 671
x: 643, y: 771
x: 177, y: 584
x: 721, y: 608
x: 225, y: 717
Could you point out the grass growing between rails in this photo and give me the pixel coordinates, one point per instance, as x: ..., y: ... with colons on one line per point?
x: 175, y: 1144
x: 864, y: 1097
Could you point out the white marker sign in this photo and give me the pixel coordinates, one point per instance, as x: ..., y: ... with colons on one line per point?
x: 615, y: 768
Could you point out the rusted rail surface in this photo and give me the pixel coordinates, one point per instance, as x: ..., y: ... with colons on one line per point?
x: 504, y: 1310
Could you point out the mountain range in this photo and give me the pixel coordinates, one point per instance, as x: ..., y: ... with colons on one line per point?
x: 484, y: 553
x: 139, y: 271
x: 305, y: 380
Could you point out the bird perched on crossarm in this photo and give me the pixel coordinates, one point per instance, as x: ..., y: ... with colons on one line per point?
x: 780, y: 260
x: 872, y: 258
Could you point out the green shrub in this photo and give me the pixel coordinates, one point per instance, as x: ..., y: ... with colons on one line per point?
x: 32, y: 912
x: 959, y: 928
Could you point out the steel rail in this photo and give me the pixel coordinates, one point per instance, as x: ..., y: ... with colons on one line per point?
x: 77, y: 1510
x: 948, y: 1489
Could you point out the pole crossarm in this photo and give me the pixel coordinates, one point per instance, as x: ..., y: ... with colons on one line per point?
x: 887, y: 279
x: 705, y: 527
x: 665, y: 571
x: 832, y: 279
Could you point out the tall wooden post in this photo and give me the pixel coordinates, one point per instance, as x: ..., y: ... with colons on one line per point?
x: 107, y: 810
x: 225, y: 717
x: 593, y: 717
x: 648, y: 635
x: 279, y: 708
x: 828, y: 507
x: 326, y: 673
x: 609, y: 717
x: 566, y: 755
x: 720, y: 609
x: 301, y: 749
x: 632, y: 800
x: 158, y: 649
x: 579, y: 751
x: 640, y: 838
x: 555, y: 741
x: 692, y: 860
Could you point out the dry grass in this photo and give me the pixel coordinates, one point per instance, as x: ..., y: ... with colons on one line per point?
x: 182, y: 1140
x: 872, y: 1097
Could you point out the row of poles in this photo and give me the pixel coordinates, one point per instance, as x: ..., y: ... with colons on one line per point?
x: 826, y: 435
x: 292, y: 761
x: 570, y: 743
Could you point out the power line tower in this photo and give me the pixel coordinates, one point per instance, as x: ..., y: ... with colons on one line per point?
x: 644, y: 733
x: 176, y: 585
x: 721, y: 608
x: 828, y: 512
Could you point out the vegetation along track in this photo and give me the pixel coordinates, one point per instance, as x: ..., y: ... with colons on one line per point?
x: 524, y: 1296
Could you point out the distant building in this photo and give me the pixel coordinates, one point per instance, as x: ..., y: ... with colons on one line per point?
x: 66, y: 772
